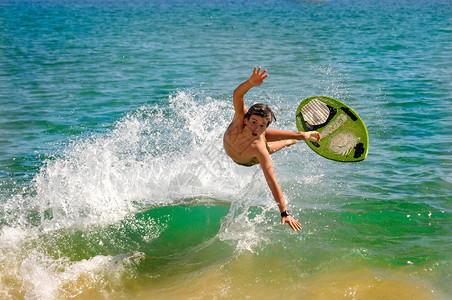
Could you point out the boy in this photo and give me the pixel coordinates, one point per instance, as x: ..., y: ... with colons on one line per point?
x: 249, y: 141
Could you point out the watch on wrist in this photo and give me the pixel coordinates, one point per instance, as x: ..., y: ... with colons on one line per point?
x: 285, y: 213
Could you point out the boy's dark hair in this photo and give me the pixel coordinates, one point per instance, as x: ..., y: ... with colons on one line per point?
x: 262, y: 110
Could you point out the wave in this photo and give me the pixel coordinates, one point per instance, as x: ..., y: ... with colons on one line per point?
x: 153, y: 156
x: 157, y: 184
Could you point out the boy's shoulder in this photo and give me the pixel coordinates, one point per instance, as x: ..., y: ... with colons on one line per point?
x: 259, y: 145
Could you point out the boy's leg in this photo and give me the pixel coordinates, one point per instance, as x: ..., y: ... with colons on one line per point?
x: 275, y: 146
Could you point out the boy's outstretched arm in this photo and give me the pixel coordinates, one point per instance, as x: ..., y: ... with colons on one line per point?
x: 256, y: 79
x: 273, y: 135
x: 270, y: 177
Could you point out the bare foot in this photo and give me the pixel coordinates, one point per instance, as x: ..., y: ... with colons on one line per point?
x: 291, y: 142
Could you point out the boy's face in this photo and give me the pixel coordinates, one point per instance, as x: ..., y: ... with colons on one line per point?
x: 256, y: 125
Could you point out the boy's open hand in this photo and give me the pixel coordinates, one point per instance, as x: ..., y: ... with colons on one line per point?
x: 294, y: 224
x: 257, y: 78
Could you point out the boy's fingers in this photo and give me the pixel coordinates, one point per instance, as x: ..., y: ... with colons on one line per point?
x: 294, y: 224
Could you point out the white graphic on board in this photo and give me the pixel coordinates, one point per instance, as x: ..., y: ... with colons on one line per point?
x: 340, y: 120
x: 343, y: 143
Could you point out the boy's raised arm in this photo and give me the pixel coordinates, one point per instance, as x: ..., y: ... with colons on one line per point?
x: 256, y: 79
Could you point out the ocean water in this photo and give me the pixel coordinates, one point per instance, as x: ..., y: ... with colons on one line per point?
x: 114, y: 183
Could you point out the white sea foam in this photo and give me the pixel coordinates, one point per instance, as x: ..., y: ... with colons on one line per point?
x: 49, y: 278
x: 248, y: 233
x: 153, y: 156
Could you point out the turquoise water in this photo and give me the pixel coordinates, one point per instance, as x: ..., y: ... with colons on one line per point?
x: 114, y: 183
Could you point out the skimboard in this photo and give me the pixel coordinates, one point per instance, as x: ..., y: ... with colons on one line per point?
x: 344, y: 135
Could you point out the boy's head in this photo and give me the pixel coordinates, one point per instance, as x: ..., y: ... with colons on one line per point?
x: 261, y: 110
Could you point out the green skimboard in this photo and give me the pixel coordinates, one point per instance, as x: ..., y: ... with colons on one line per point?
x: 344, y: 135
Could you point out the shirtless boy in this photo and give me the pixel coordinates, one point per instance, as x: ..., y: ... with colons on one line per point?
x: 249, y: 141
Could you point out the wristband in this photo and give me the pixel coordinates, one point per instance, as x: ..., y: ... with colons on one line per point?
x: 285, y: 214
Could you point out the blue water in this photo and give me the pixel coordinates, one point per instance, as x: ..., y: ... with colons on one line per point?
x: 114, y: 183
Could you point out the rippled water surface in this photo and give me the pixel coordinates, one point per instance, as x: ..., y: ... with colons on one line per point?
x: 114, y: 183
